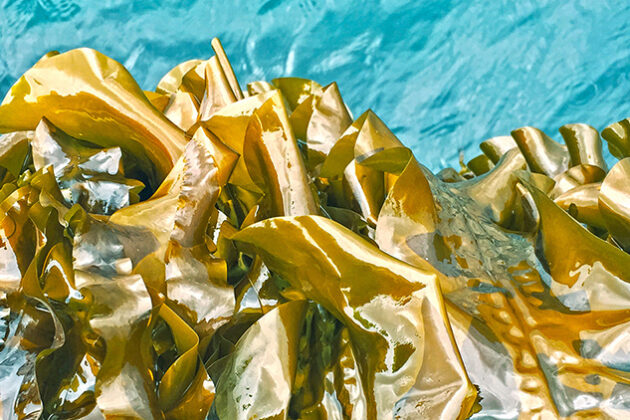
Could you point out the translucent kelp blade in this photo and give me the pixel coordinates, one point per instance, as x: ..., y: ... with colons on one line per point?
x: 27, y: 326
x: 480, y: 165
x: 257, y: 380
x: 385, y: 304
x: 584, y: 145
x: 274, y: 162
x: 103, y: 257
x: 575, y: 176
x: 378, y: 148
x: 296, y: 90
x: 194, y: 280
x: 496, y: 147
x: 618, y: 137
x: 181, y: 373
x: 614, y: 202
x: 600, y: 266
x: 171, y: 81
x: 543, y: 154
x: 93, y: 98
x: 582, y: 203
x: 495, y: 191
x: 182, y: 110
x: 229, y: 126
x: 521, y: 314
x: 123, y: 384
x: 328, y: 120
x: 86, y: 175
x: 158, y: 100
x: 14, y: 150
x: 342, y: 152
x: 219, y: 52
x: 366, y: 190
x: 182, y: 205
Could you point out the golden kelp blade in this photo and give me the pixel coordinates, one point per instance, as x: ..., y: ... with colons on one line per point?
x: 618, y: 137
x: 584, y: 145
x: 390, y: 309
x: 503, y: 301
x: 542, y: 153
x: 614, y: 202
x: 273, y: 160
x: 92, y: 97
x: 170, y: 82
x: 258, y: 379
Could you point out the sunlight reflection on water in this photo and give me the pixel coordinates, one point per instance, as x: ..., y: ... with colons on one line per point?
x: 444, y: 75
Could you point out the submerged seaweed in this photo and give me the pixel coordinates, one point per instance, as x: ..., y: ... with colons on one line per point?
x: 200, y: 251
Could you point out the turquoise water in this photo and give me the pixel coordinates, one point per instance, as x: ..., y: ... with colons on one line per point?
x: 444, y: 75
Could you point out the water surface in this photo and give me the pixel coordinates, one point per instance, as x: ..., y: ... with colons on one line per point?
x: 444, y: 75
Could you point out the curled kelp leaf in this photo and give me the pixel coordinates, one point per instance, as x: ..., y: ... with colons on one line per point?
x: 221, y: 86
x: 119, y: 314
x: 181, y: 374
x: 479, y: 165
x: 257, y: 380
x: 496, y: 190
x: 362, y: 155
x: 229, y: 125
x: 378, y: 148
x: 32, y: 328
x: 582, y: 203
x: 15, y: 151
x: 123, y: 384
x: 274, y: 162
x: 556, y: 229
x: 543, y: 154
x: 182, y: 109
x: 496, y: 147
x: 90, y: 176
x: 194, y: 81
x: 575, y: 176
x: 502, y: 301
x: 218, y: 92
x: 296, y: 90
x: 171, y: 81
x: 93, y: 98
x: 329, y: 119
x: 584, y: 145
x: 18, y: 235
x: 27, y: 331
x: 158, y: 100
x: 185, y: 200
x: 389, y: 353
x: 364, y: 190
x: 617, y: 136
x: 614, y: 202
x: 195, y: 281
x: 259, y: 292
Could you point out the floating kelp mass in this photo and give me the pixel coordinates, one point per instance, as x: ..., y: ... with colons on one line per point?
x: 204, y: 252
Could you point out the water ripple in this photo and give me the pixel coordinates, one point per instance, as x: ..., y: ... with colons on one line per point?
x: 444, y: 74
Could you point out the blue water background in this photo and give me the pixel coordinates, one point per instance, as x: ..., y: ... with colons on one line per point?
x: 444, y: 75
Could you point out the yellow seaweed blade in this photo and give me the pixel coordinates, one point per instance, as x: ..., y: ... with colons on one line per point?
x: 171, y: 81
x: 274, y: 162
x: 92, y: 97
x: 392, y: 311
x: 614, y: 202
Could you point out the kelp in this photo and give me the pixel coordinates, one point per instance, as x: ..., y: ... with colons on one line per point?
x: 202, y: 251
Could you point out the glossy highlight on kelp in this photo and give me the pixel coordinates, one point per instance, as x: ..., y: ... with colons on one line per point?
x: 207, y: 251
